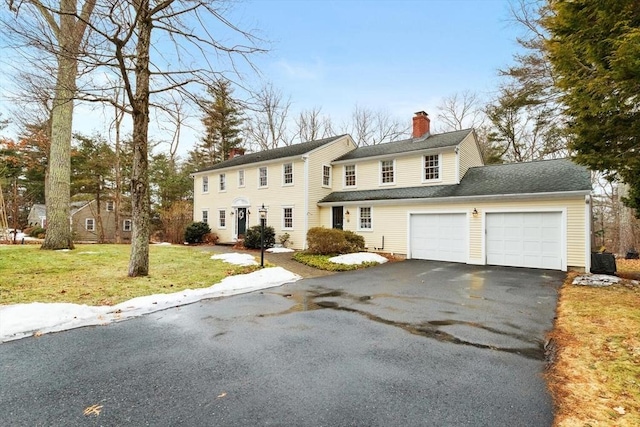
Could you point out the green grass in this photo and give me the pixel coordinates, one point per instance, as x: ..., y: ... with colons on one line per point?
x: 97, y: 274
x: 322, y: 262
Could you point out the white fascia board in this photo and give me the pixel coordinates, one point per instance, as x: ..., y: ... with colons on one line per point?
x: 529, y: 196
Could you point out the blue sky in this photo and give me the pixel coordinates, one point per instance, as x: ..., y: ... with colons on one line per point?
x: 401, y: 56
x: 395, y: 56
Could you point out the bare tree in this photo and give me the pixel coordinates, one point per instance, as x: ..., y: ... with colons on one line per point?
x: 266, y: 127
x: 312, y: 125
x: 58, y: 28
x: 462, y: 110
x: 371, y: 127
x: 124, y: 30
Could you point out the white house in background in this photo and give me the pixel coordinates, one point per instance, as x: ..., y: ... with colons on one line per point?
x: 426, y: 197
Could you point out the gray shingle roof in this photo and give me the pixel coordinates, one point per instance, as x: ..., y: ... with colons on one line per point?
x: 449, y: 139
x: 273, y: 154
x: 546, y: 176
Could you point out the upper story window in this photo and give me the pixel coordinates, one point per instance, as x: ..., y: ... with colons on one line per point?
x: 364, y: 221
x: 205, y: 216
x: 326, y: 175
x: 110, y: 206
x: 241, y: 178
x: 432, y: 167
x: 287, y: 218
x: 205, y: 184
x: 223, y: 182
x: 90, y: 224
x: 126, y: 225
x: 350, y: 176
x: 262, y: 177
x: 387, y: 172
x: 287, y: 173
x: 222, y: 218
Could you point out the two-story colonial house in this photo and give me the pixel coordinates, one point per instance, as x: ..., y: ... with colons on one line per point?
x: 426, y: 197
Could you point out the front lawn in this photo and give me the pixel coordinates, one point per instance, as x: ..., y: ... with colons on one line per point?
x: 595, y: 379
x: 97, y: 274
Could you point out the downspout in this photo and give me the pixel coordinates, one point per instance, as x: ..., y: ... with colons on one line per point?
x: 305, y: 159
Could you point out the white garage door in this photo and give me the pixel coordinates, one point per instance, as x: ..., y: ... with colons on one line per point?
x: 525, y: 239
x: 439, y: 237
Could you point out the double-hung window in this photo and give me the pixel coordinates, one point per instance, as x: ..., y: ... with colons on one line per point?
x: 287, y: 218
x: 205, y: 216
x: 287, y: 174
x: 223, y: 182
x: 205, y: 184
x: 241, y: 178
x: 262, y: 177
x: 364, y: 220
x: 387, y: 172
x: 90, y: 224
x: 350, y: 176
x: 126, y: 225
x: 110, y: 206
x: 222, y: 218
x: 326, y: 175
x: 432, y: 167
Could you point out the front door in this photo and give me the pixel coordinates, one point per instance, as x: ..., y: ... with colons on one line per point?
x: 338, y: 216
x: 242, y: 221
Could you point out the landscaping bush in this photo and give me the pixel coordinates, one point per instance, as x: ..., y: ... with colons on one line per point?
x: 252, y: 237
x: 330, y: 241
x: 195, y: 232
x: 37, y: 232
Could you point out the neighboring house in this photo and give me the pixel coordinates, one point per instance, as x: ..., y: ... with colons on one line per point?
x: 427, y: 197
x: 86, y: 224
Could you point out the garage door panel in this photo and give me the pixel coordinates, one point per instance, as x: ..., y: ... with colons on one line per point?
x: 440, y: 237
x: 524, y: 239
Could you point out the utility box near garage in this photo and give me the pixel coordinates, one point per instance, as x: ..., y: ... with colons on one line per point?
x: 603, y: 263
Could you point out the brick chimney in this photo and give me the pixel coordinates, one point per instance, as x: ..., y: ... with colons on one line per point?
x: 421, y: 124
x: 235, y: 152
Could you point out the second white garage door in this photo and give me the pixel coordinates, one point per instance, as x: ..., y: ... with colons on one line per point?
x: 439, y: 237
x: 525, y: 239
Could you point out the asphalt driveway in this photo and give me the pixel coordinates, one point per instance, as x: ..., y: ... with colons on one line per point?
x: 403, y: 344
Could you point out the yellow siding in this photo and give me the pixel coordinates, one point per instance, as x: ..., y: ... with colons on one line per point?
x: 469, y: 154
x: 275, y: 197
x: 391, y: 222
x: 408, y: 172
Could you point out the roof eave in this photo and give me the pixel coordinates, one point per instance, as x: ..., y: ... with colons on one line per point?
x: 398, y: 154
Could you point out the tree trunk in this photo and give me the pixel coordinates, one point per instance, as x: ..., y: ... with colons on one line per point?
x: 58, y: 192
x: 625, y: 228
x: 140, y: 204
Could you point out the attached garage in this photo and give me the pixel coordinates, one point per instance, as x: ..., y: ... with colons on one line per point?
x: 525, y: 239
x: 438, y: 236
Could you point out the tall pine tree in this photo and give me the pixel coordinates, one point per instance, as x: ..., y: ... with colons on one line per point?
x: 594, y: 50
x: 222, y: 121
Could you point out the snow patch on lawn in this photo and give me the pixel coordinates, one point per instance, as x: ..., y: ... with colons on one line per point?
x: 358, y: 258
x: 279, y: 250
x: 236, y: 258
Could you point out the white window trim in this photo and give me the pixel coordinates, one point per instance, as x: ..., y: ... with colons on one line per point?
x: 292, y: 217
x: 124, y: 225
x: 285, y: 184
x: 241, y: 184
x: 422, y: 171
x: 110, y: 204
x: 205, y: 179
x: 344, y: 176
x: 330, y: 177
x: 202, y: 212
x: 222, y: 181
x: 359, y: 228
x: 394, y: 172
x: 266, y: 176
x: 226, y: 219
x: 93, y: 224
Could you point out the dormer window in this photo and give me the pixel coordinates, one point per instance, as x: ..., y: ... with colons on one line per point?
x: 432, y: 167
